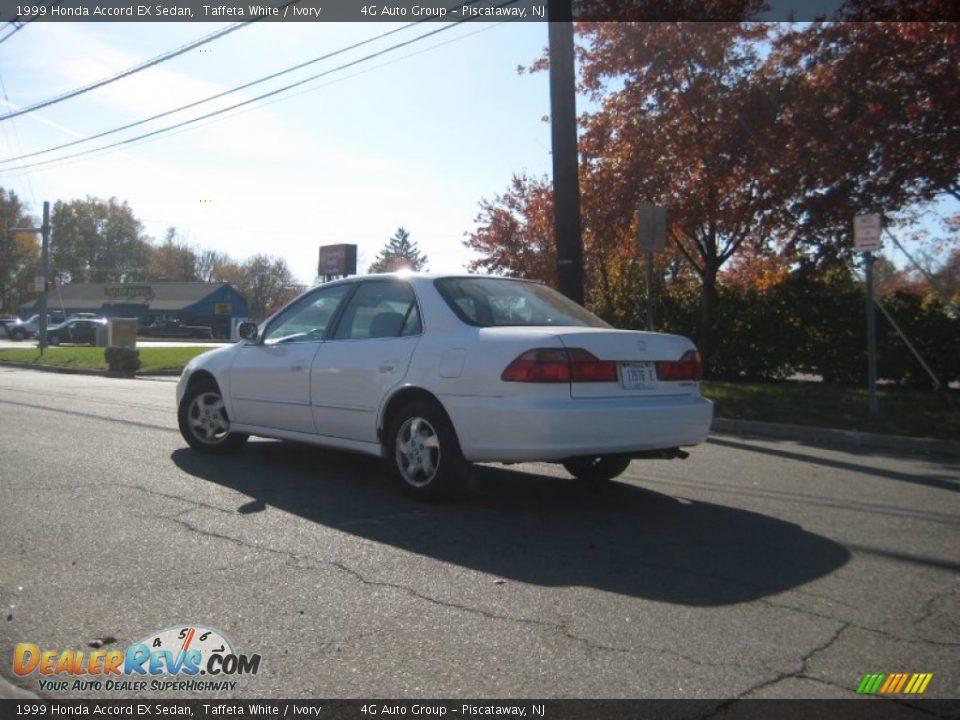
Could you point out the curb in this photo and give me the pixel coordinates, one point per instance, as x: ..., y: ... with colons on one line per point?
x: 87, y: 371
x: 831, y: 436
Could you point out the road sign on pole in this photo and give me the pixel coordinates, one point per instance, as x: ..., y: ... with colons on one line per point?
x: 652, y: 227
x: 866, y: 233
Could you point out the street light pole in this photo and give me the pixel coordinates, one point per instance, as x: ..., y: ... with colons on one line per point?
x: 45, y: 259
x: 44, y: 231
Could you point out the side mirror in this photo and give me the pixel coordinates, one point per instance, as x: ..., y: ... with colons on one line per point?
x: 247, y: 331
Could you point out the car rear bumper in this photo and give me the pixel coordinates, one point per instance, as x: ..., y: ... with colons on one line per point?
x: 505, y: 430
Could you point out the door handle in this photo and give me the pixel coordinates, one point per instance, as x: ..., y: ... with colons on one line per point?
x: 296, y: 368
x: 388, y: 367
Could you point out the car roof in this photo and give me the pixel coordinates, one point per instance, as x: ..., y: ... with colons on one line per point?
x: 425, y: 277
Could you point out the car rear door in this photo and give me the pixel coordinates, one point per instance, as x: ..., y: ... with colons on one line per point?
x: 367, y: 356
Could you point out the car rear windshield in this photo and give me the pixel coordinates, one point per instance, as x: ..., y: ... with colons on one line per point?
x: 498, y: 302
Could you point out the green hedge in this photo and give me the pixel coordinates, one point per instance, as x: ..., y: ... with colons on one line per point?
x: 808, y: 323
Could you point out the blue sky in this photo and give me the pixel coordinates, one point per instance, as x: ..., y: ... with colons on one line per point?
x: 414, y: 138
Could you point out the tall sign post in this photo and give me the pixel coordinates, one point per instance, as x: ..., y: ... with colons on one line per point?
x: 44, y: 231
x: 651, y: 237
x: 866, y: 239
x: 337, y: 261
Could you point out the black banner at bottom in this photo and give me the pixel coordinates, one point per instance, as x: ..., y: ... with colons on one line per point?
x: 854, y: 709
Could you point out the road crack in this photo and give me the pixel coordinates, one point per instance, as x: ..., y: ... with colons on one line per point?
x: 560, y: 628
x: 801, y: 672
x: 866, y: 628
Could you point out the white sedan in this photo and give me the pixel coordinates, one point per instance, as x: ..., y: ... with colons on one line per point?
x: 435, y: 372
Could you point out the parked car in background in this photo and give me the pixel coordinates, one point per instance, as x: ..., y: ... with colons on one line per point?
x: 86, y: 316
x: 175, y: 329
x: 435, y: 372
x: 23, y: 329
x: 76, y: 332
x: 4, y: 322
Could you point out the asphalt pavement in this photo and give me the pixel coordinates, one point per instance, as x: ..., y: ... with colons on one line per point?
x: 752, y: 569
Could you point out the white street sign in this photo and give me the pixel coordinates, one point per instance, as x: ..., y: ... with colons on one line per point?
x: 866, y: 232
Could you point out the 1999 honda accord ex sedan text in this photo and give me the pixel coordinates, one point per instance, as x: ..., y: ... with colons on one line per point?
x: 434, y: 372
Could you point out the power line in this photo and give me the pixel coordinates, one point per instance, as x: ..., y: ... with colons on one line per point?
x: 252, y: 100
x: 18, y: 25
x: 217, y: 96
x: 130, y: 71
x: 16, y: 142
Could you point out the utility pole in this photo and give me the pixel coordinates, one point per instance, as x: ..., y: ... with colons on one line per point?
x: 563, y: 125
x: 44, y: 231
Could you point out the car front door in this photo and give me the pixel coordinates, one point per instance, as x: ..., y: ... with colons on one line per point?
x: 367, y: 356
x: 270, y: 379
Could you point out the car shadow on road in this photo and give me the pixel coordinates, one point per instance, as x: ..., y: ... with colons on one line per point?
x: 535, y: 529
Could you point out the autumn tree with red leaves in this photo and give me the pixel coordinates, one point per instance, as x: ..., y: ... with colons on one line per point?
x: 515, y: 234
x: 752, y: 135
x: 874, y: 120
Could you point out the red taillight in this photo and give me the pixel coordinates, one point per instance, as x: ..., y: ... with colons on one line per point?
x: 543, y: 365
x: 585, y: 367
x: 549, y: 365
x: 689, y: 367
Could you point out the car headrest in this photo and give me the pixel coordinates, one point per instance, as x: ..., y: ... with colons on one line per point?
x: 386, y: 324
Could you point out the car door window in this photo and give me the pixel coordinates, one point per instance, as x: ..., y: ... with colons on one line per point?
x: 307, y: 319
x: 380, y: 310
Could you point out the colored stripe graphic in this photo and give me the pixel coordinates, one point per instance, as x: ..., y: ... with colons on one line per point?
x: 894, y: 683
x: 870, y: 683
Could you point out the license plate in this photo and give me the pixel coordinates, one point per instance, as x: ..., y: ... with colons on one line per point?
x: 637, y: 375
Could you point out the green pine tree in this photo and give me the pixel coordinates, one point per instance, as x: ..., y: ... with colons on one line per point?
x: 399, y: 253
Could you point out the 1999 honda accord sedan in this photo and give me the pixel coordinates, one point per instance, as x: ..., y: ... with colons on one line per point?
x: 434, y: 372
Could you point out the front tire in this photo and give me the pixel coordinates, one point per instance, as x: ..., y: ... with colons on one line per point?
x: 17, y: 334
x: 54, y: 340
x: 203, y: 420
x: 597, y: 469
x: 424, y: 453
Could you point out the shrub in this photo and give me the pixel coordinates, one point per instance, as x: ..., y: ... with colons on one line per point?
x: 121, y: 359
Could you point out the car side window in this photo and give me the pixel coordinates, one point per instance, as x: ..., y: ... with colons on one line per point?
x: 308, y: 318
x: 380, y: 310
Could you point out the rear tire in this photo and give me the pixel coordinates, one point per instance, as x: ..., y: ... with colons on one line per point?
x: 424, y: 453
x: 597, y: 469
x: 203, y: 420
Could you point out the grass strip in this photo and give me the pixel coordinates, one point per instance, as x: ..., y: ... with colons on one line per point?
x: 903, y: 411
x: 152, y: 359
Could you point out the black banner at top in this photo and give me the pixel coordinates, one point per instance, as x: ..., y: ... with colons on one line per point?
x: 317, y: 11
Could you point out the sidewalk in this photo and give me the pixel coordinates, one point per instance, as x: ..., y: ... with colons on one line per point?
x: 832, y: 436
